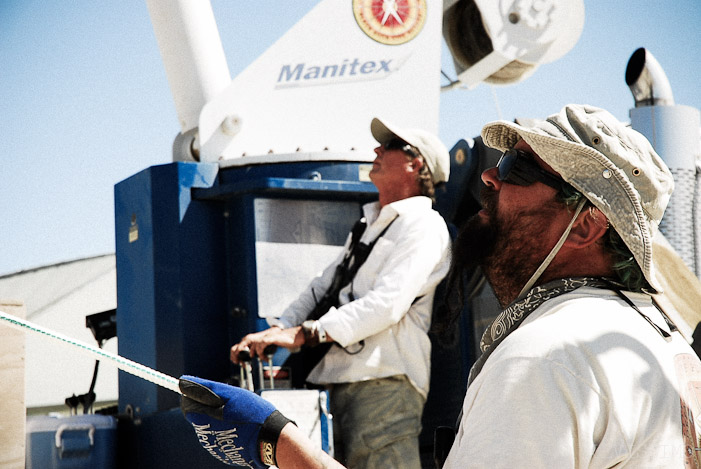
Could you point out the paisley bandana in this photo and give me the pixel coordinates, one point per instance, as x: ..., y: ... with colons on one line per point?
x: 514, y: 314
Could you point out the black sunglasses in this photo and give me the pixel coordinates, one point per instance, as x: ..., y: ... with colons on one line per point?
x: 399, y: 144
x: 518, y: 167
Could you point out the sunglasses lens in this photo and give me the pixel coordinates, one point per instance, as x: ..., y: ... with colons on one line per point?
x: 394, y: 144
x: 397, y: 144
x: 506, y: 162
x: 518, y: 167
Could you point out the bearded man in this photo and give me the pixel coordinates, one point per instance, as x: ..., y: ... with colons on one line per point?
x: 581, y: 368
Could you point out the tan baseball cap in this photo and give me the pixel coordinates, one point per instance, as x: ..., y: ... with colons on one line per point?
x: 431, y: 148
x: 614, y: 166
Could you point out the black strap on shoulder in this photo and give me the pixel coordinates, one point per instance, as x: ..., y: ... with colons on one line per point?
x: 360, y: 254
x: 355, y: 257
x: 357, y: 231
x: 667, y: 336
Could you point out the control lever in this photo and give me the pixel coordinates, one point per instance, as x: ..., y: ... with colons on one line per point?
x: 269, y: 351
x: 246, y: 370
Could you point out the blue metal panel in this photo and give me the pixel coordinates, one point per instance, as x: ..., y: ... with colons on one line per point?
x: 162, y: 440
x: 327, y: 180
x: 309, y: 170
x: 135, y: 289
x: 170, y: 271
x: 457, y: 200
x: 241, y: 274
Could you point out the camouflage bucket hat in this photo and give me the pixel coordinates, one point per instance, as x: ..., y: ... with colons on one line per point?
x: 614, y: 166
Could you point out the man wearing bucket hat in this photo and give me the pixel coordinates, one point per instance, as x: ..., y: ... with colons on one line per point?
x: 378, y: 368
x: 581, y: 368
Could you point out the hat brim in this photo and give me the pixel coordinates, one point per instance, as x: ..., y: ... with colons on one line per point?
x: 682, y: 289
x: 382, y: 132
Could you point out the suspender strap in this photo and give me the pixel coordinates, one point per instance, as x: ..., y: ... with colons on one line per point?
x: 345, y: 272
x: 361, y: 252
x: 667, y: 336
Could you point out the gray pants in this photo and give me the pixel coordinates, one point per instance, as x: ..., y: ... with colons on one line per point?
x: 377, y: 423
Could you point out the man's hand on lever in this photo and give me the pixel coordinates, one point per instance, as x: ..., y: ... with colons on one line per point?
x: 257, y: 343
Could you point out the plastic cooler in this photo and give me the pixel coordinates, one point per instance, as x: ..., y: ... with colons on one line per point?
x: 75, y: 442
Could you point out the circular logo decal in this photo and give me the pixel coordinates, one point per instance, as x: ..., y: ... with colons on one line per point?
x: 390, y: 21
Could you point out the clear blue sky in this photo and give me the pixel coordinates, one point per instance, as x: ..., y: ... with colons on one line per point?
x: 85, y: 102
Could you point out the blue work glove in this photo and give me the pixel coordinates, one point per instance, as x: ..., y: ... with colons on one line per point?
x: 234, y: 425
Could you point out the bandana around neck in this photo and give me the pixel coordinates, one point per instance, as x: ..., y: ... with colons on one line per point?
x: 514, y: 314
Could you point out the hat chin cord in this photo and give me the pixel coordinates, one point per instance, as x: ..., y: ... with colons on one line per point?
x: 544, y: 265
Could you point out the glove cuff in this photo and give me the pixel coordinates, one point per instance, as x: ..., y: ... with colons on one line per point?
x: 268, y: 436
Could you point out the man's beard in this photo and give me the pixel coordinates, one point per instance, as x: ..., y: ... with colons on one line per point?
x: 508, y: 248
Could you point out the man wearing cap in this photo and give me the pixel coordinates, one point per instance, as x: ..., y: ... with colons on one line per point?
x: 378, y: 369
x: 581, y: 368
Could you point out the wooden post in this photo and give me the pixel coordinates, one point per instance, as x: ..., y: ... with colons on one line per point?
x: 12, y: 409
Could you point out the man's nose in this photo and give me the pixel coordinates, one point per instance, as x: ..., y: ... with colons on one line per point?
x: 491, y: 178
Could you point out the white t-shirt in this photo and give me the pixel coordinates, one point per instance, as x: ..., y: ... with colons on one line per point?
x: 585, y: 381
x: 393, y: 293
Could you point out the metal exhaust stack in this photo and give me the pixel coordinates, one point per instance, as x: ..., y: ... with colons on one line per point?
x: 647, y: 81
x: 673, y: 130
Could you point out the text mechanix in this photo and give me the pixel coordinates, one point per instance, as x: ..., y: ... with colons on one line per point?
x: 221, y: 444
x: 302, y: 74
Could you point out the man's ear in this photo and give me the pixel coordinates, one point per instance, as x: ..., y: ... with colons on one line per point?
x: 417, y: 164
x: 591, y: 226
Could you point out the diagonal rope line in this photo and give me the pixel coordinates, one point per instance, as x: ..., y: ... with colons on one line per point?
x: 124, y: 364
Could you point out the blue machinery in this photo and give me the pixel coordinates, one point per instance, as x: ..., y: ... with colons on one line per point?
x: 195, y: 242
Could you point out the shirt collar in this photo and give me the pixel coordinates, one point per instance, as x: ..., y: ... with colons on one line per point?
x: 373, y: 211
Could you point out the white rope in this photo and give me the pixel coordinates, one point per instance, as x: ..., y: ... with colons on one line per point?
x: 124, y: 364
